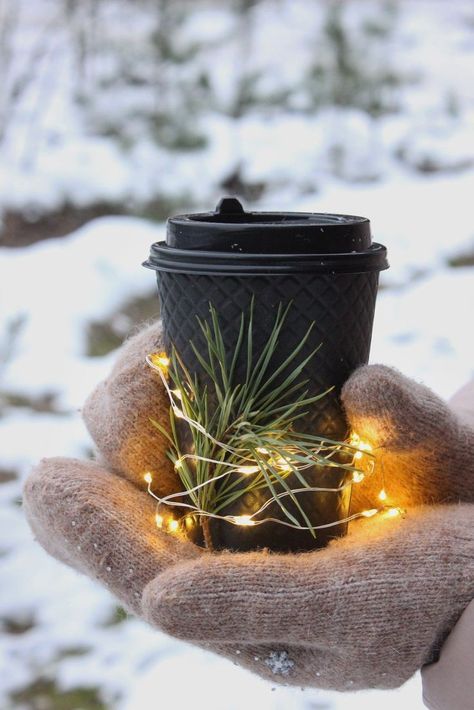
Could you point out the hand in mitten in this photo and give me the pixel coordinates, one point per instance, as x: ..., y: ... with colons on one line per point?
x: 365, y: 612
x: 424, y: 447
x: 99, y: 519
x: 97, y: 516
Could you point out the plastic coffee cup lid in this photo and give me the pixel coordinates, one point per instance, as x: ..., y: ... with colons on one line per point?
x: 231, y: 240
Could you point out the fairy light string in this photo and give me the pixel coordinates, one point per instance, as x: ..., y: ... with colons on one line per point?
x: 362, y: 452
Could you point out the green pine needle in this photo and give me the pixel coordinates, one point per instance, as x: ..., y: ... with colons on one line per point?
x: 247, y: 417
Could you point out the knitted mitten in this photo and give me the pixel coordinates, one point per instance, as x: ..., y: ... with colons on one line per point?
x: 424, y: 449
x: 99, y: 523
x: 99, y: 519
x: 365, y: 612
x: 118, y: 412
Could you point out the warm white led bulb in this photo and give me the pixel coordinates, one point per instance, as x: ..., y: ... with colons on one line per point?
x: 248, y: 469
x: 370, y: 513
x: 159, y: 360
x: 243, y: 520
x: 281, y: 463
x: 356, y: 441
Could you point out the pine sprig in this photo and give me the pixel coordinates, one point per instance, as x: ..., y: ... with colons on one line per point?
x: 245, y: 424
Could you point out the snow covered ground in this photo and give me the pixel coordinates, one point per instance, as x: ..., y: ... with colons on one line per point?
x: 62, y: 142
x: 57, y: 625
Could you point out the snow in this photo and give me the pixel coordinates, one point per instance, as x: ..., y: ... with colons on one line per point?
x: 51, y: 156
x: 58, y: 286
x: 280, y: 662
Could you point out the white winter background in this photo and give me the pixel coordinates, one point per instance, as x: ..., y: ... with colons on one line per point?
x: 131, y: 110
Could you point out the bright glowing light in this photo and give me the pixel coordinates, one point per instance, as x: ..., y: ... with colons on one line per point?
x: 280, y: 463
x: 177, y: 393
x: 173, y: 525
x: 393, y: 512
x: 160, y: 360
x: 355, y: 440
x: 148, y: 478
x: 248, y: 469
x: 178, y: 463
x: 357, y: 476
x: 369, y: 513
x: 243, y: 520
x: 159, y: 520
x: 383, y: 495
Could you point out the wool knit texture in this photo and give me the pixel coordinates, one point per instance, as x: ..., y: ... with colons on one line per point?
x: 424, y: 450
x: 367, y: 611
x: 449, y: 683
x: 100, y: 524
x: 118, y: 415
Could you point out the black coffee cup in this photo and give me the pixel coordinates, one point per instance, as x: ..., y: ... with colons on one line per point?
x: 327, y: 266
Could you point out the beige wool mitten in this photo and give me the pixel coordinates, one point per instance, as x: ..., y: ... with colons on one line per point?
x: 367, y: 611
x: 424, y: 448
x: 118, y: 412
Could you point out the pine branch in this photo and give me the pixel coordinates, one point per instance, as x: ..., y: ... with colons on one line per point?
x: 247, y: 423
